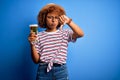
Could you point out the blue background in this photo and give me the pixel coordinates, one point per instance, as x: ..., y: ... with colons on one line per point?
x: 96, y: 56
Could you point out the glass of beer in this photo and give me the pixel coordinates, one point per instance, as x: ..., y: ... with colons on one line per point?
x: 33, y: 28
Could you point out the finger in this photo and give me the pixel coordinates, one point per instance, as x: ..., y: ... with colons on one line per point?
x: 60, y: 21
x: 62, y: 18
x: 31, y: 31
x: 31, y: 39
x: 65, y: 17
x: 32, y: 34
x: 35, y: 36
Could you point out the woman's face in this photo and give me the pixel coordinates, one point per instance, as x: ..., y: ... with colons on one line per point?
x: 52, y: 20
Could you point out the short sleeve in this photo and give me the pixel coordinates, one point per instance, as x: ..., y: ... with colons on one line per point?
x: 69, y: 34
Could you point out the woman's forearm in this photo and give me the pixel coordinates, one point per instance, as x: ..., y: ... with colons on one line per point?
x: 34, y: 54
x: 76, y: 29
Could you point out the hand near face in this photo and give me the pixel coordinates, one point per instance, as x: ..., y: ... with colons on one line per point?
x: 64, y: 20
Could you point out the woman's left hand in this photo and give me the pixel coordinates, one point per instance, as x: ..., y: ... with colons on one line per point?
x: 64, y: 19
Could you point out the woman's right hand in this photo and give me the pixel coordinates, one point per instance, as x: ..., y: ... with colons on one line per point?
x: 32, y: 37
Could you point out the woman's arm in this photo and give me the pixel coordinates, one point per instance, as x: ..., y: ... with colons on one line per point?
x: 76, y: 29
x: 34, y: 53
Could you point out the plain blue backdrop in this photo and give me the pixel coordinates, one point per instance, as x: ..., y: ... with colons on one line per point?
x: 96, y: 56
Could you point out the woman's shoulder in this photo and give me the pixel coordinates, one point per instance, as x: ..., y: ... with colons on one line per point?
x: 66, y: 30
x: 40, y: 33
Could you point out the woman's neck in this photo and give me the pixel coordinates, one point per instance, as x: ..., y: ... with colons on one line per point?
x: 50, y: 30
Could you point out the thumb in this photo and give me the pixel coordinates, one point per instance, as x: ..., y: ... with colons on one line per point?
x: 61, y: 27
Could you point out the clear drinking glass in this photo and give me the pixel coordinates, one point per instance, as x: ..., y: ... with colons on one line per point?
x: 33, y: 28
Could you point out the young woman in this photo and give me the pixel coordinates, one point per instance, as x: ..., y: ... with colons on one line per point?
x: 49, y: 47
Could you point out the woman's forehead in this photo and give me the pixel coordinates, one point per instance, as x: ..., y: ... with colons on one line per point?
x: 53, y: 14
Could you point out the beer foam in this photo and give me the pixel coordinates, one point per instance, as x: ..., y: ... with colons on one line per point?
x: 35, y: 25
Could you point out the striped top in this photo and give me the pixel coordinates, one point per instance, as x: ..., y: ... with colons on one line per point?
x: 52, y: 46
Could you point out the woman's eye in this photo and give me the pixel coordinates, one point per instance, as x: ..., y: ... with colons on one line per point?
x: 50, y: 17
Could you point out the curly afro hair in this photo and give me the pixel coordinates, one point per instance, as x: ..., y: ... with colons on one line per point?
x: 49, y: 8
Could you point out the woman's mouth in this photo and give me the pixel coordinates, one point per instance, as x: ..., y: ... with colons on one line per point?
x: 53, y: 25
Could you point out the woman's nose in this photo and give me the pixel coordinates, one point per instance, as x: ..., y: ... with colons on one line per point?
x: 53, y: 19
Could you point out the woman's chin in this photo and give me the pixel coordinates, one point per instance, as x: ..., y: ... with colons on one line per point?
x: 52, y: 27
